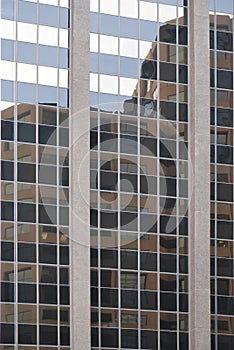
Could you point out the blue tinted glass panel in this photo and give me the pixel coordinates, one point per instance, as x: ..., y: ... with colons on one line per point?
x: 49, y: 15
x: 63, y: 58
x: 47, y: 95
x: 27, y: 52
x: 63, y: 17
x: 63, y: 98
x: 148, y: 30
x: 128, y: 27
x: 109, y: 64
x: 109, y: 25
x: 27, y: 12
x: 26, y: 93
x: 109, y: 102
x: 48, y: 55
x: 93, y: 96
x: 93, y: 62
x: 129, y: 67
x: 8, y: 9
x: 93, y: 22
x: 224, y: 6
x: 7, y: 90
x: 7, y: 50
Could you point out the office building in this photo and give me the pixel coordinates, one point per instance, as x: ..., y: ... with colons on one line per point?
x: 117, y: 174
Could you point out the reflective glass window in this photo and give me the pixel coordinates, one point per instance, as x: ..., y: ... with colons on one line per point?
x: 27, y: 12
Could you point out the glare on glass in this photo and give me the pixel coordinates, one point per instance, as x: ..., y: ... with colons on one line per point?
x: 129, y: 8
x: 107, y: 6
x: 47, y: 76
x: 148, y: 11
x: 108, y: 44
x: 128, y: 47
x: 27, y: 32
x: 48, y: 35
x: 27, y: 73
x: 108, y: 84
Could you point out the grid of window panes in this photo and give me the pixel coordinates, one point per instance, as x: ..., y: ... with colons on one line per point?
x: 222, y: 262
x: 139, y: 174
x: 34, y: 293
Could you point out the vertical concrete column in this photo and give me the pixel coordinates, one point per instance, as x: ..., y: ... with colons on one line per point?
x: 79, y: 176
x: 200, y: 176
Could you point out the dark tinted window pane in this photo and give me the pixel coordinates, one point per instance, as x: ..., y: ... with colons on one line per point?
x: 48, y: 254
x: 7, y: 332
x: 64, y: 276
x: 48, y: 294
x: 64, y: 296
x: 149, y: 300
x: 47, y: 214
x: 26, y: 293
x: 168, y: 262
x: 129, y: 299
x: 64, y: 335
x: 48, y: 335
x: 224, y: 41
x: 26, y: 252
x: 26, y: 172
x: 27, y: 334
x: 7, y: 130
x: 224, y: 117
x: 7, y: 251
x: 7, y: 211
x: 26, y: 212
x: 149, y: 340
x: 168, y: 301
x: 224, y: 79
x: 128, y: 259
x: 148, y: 261
x: 168, y: 340
x: 167, y: 71
x: 48, y: 274
x: 64, y: 255
x: 7, y: 171
x: 109, y: 337
x: 167, y: 33
x: 109, y: 258
x: 26, y: 132
x: 129, y: 338
x: 47, y: 135
x: 109, y: 297
x: 7, y: 292
x: 63, y: 137
x: 47, y: 175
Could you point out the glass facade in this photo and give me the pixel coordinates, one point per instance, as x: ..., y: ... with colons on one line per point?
x: 35, y: 311
x: 139, y: 174
x: 221, y: 134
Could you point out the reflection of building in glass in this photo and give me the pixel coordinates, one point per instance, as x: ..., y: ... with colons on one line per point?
x: 120, y: 259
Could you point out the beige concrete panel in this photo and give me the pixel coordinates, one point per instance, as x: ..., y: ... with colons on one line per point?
x: 79, y: 167
x: 200, y: 184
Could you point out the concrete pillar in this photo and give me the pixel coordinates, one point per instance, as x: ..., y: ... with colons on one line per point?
x: 200, y: 184
x: 79, y: 176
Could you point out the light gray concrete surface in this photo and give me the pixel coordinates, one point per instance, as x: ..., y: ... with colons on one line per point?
x: 200, y: 176
x: 79, y: 177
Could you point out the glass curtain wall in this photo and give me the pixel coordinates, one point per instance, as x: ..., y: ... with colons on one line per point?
x: 139, y: 174
x: 34, y: 105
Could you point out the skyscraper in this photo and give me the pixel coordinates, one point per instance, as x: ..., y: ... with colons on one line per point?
x: 117, y: 174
